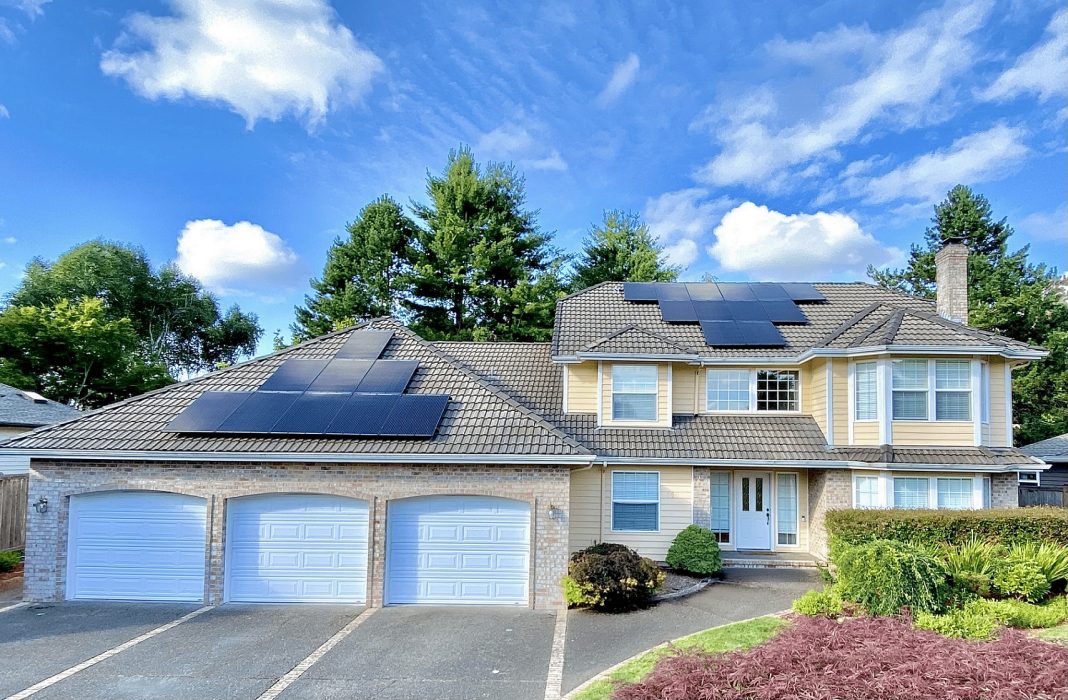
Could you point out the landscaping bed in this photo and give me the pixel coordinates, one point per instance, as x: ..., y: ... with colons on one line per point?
x: 676, y: 582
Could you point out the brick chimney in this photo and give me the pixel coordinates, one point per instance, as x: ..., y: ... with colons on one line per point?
x: 951, y: 280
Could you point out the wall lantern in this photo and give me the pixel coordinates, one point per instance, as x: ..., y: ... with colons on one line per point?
x: 556, y: 512
x: 41, y: 505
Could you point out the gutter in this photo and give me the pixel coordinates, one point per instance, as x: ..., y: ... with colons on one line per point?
x: 819, y: 464
x: 301, y: 457
x: 1007, y: 353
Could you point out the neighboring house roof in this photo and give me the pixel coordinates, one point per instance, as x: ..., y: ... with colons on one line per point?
x: 1052, y: 449
x: 480, y: 419
x: 855, y: 314
x: 25, y: 409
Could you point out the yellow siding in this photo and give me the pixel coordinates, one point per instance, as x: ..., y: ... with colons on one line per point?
x: 866, y: 433
x: 995, y: 436
x: 814, y: 391
x: 683, y: 394
x: 951, y: 433
x: 840, y: 405
x: 676, y: 511
x: 583, y: 525
x: 663, y: 409
x: 581, y: 387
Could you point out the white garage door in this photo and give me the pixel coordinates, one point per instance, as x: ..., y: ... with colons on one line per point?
x: 457, y: 549
x: 296, y: 548
x: 136, y: 545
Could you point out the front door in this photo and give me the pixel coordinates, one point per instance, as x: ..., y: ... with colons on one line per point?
x: 754, y: 510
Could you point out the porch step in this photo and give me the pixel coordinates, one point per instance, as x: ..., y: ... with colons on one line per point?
x: 768, y: 563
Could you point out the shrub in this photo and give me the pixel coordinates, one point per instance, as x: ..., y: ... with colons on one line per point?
x: 825, y: 603
x: 1022, y: 579
x: 9, y: 560
x: 695, y: 550
x: 980, y: 619
x: 1050, y: 559
x: 885, y: 576
x: 612, y: 577
x: 963, y: 623
x: 972, y: 565
x: 572, y: 593
x: 864, y: 657
x: 1006, y: 526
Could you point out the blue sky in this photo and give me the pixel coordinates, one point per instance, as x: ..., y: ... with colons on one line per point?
x: 759, y: 140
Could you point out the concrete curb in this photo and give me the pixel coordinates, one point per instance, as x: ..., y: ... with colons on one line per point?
x: 603, y: 675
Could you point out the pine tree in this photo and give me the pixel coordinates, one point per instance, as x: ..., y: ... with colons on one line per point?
x: 621, y: 249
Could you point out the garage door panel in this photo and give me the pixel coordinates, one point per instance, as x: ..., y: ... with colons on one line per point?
x: 141, y: 545
x: 297, y: 548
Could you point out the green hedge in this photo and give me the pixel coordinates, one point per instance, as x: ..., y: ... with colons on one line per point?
x: 1007, y: 526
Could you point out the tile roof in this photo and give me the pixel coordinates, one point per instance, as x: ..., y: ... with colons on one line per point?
x: 17, y: 408
x: 480, y: 419
x: 632, y: 339
x: 524, y: 370
x: 977, y: 456
x: 1054, y: 447
x: 855, y: 314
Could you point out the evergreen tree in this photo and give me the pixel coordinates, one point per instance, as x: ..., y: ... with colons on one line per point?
x: 364, y: 272
x: 621, y: 249
x: 1006, y: 294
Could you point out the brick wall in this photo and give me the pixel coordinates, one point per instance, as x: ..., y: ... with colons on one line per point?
x: 540, y: 486
x: 702, y: 496
x: 828, y: 489
x: 1004, y: 491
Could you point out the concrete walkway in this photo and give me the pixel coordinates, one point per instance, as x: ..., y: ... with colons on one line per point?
x: 596, y: 641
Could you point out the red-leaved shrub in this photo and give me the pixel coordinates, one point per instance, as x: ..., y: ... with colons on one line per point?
x: 863, y: 658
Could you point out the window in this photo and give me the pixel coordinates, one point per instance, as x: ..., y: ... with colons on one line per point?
x: 776, y: 390
x: 865, y: 392
x: 866, y: 492
x: 634, y: 394
x: 985, y: 395
x: 909, y: 379
x: 987, y: 495
x: 636, y: 501
x: 727, y: 390
x: 721, y: 506
x: 953, y: 390
x: 954, y: 493
x: 786, y: 508
x: 910, y: 492
x: 1028, y: 478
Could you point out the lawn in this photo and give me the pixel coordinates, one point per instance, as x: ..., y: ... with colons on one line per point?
x: 1058, y: 634
x: 734, y: 637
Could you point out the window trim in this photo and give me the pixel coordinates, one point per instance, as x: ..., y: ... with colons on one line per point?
x: 1037, y: 481
x: 730, y: 506
x: 655, y: 394
x: 931, y: 392
x: 978, y: 490
x: 880, y: 497
x: 937, y: 493
x: 752, y: 375
x: 797, y: 510
x: 613, y: 500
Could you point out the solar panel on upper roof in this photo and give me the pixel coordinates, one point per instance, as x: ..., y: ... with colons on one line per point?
x: 704, y: 291
x: 362, y: 414
x: 736, y: 291
x: 294, y: 375
x: 672, y: 292
x: 768, y: 291
x: 747, y: 311
x: 801, y: 291
x: 415, y: 415
x: 712, y: 310
x: 341, y: 376
x: 761, y: 334
x: 677, y: 311
x: 207, y: 412
x: 388, y: 376
x: 784, y: 311
x: 311, y: 414
x: 364, y: 345
x: 721, y: 333
x: 640, y: 291
x: 258, y: 413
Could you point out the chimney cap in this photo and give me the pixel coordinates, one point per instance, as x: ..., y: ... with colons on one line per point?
x: 953, y: 240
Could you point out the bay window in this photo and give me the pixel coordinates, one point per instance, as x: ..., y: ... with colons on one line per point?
x: 954, y: 493
x: 938, y: 389
x: 953, y: 390
x: 909, y: 386
x: 865, y: 390
x: 911, y: 492
x: 866, y: 492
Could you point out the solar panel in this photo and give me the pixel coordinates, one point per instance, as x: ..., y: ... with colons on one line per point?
x: 362, y: 414
x: 761, y: 334
x: 258, y: 413
x: 388, y: 376
x: 672, y: 292
x: 784, y: 311
x: 704, y: 291
x: 294, y: 375
x: 721, y: 333
x: 736, y: 291
x: 640, y: 291
x: 747, y: 311
x: 801, y: 291
x: 740, y: 334
x: 415, y: 415
x: 677, y: 311
x: 310, y: 414
x: 207, y: 412
x: 712, y: 310
x: 768, y: 291
x: 341, y: 376
x: 364, y: 345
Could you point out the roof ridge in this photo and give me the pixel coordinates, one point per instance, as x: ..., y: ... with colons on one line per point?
x: 633, y: 327
x: 964, y: 328
x: 847, y: 324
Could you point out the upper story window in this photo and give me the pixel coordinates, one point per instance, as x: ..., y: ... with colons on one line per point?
x: 942, y: 388
x: 745, y: 390
x: 865, y: 391
x: 634, y: 392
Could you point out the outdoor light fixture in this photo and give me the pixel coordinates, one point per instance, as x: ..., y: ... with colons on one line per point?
x: 41, y: 505
x: 555, y: 512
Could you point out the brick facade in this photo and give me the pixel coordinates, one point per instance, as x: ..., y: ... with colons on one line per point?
x: 828, y: 489
x: 702, y: 496
x: 1004, y: 491
x: 540, y: 486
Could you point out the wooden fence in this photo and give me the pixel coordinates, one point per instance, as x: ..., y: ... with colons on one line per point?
x: 1042, y: 496
x: 13, y: 495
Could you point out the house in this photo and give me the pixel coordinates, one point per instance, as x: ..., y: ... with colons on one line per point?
x: 22, y: 411
x: 1046, y: 487
x: 370, y: 465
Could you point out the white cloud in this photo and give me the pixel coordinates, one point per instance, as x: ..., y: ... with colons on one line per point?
x: 1046, y: 225
x: 683, y: 219
x: 1043, y: 70
x: 978, y: 157
x: 623, y: 76
x: 242, y: 258
x: 265, y: 59
x: 10, y: 240
x: 905, y: 73
x: 4, y: 114
x: 766, y: 244
x: 514, y: 141
x: 33, y: 8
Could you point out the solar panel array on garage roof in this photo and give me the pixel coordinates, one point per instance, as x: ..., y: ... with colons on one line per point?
x: 355, y: 394
x: 731, y: 314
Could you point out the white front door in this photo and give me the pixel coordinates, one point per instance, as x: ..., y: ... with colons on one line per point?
x: 753, y: 505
